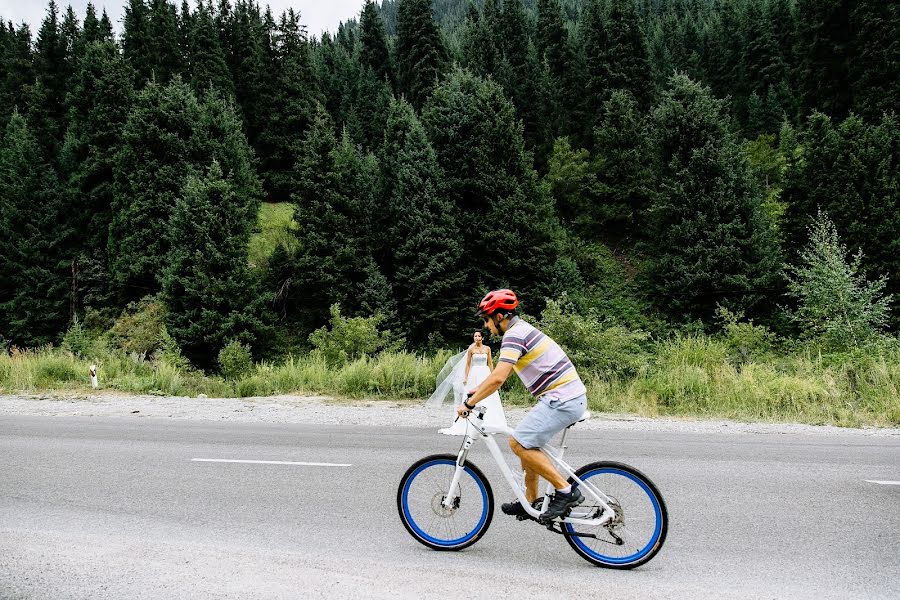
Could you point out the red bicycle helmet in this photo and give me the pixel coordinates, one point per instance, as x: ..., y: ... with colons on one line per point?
x: 497, y: 301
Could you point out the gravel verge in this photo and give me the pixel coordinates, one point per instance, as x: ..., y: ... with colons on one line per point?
x: 325, y: 410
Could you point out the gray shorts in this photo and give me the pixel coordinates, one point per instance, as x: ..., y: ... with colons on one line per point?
x: 546, y: 419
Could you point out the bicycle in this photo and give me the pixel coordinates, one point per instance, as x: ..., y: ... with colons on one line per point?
x: 446, y: 502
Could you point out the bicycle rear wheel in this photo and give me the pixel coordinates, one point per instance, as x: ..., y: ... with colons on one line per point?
x: 637, y: 531
x: 420, y: 496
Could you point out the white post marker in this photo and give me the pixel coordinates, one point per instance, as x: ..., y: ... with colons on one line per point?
x: 94, y: 376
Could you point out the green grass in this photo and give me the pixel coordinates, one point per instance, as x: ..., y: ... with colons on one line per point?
x: 273, y: 229
x: 688, y: 377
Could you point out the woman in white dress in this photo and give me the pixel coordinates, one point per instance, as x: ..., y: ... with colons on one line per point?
x: 479, y: 364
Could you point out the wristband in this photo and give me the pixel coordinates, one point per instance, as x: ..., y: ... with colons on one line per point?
x: 467, y: 405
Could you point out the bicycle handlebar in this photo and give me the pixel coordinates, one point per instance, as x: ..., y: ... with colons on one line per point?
x: 465, y: 414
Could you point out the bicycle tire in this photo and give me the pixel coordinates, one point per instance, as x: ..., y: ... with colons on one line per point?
x: 638, y: 485
x: 441, y: 467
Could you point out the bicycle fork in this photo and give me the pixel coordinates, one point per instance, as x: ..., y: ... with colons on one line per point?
x: 450, y: 497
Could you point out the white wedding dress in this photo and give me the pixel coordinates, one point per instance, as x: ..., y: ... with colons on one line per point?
x: 478, y: 372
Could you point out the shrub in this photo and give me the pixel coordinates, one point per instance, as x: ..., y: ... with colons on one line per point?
x: 170, y: 352
x: 608, y: 290
x: 608, y: 351
x: 235, y: 360
x: 81, y: 342
x: 838, y: 306
x: 351, y: 338
x: 745, y: 341
x: 140, y: 328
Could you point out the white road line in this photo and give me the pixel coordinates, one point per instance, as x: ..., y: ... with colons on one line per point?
x: 883, y: 482
x: 270, y: 462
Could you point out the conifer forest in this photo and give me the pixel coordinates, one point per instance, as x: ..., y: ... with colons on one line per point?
x: 640, y: 172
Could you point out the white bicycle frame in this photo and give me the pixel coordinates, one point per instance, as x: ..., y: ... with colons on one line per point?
x: 477, y: 428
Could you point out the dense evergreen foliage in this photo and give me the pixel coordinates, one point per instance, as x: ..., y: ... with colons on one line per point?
x: 207, y: 284
x: 650, y: 161
x: 709, y: 241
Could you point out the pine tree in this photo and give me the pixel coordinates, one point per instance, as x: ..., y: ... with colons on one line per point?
x: 100, y: 100
x: 72, y: 42
x: 726, y: 73
x: 91, y: 30
x: 250, y: 73
x: 420, y: 54
x: 168, y: 136
x: 837, y: 305
x: 368, y: 115
x: 822, y: 47
x: 422, y: 233
x: 164, y: 53
x: 659, y: 57
x: 289, y: 109
x: 563, y: 69
x: 490, y: 179
x: 208, y: 66
x: 763, y: 63
x: 373, y: 50
x: 709, y: 243
x: 594, y: 41
x: 334, y: 187
x: 224, y: 20
x: 46, y: 102
x: 626, y: 56
x: 34, y: 304
x: 156, y: 156
x: 185, y: 27
x: 625, y: 174
x: 207, y: 287
x: 136, y: 42
x: 520, y: 78
x: 19, y: 70
x: 783, y: 26
x: 224, y: 139
x: 479, y: 54
x: 335, y: 70
x: 875, y: 67
x: 764, y: 114
x: 106, y: 28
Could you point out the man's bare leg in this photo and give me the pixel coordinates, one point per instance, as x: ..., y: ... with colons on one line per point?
x: 534, y: 463
x: 531, y: 484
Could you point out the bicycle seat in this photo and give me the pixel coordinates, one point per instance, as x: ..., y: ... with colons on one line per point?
x: 584, y: 417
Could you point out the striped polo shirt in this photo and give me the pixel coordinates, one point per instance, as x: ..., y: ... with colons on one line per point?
x: 540, y: 363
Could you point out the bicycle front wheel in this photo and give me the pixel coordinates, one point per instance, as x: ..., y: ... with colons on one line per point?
x: 638, y: 529
x: 420, y: 500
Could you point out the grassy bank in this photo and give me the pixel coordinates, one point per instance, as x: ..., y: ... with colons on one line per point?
x: 686, y: 377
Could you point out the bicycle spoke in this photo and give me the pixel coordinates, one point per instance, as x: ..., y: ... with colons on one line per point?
x: 425, y: 494
x: 633, y: 528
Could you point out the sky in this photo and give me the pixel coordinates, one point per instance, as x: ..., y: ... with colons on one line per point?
x: 317, y: 15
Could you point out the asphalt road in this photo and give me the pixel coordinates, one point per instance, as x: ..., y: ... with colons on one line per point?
x: 117, y: 508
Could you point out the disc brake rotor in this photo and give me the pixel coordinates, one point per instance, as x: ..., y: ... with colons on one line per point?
x: 437, y: 505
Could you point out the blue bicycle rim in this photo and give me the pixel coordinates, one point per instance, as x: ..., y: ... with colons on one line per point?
x: 438, y: 541
x: 653, y: 539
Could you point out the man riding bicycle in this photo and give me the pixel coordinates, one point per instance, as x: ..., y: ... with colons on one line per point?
x: 549, y: 376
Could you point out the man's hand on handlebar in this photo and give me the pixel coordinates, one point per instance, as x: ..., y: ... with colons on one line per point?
x: 465, y: 407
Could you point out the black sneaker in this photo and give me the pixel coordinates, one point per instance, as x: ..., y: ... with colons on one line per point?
x: 561, y: 504
x: 515, y: 509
